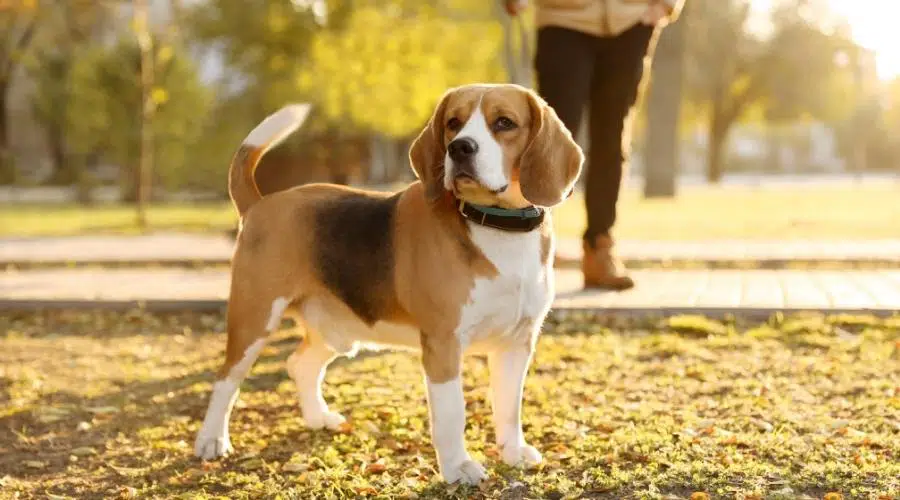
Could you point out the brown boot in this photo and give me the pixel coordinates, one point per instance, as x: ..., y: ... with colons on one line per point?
x: 601, y: 267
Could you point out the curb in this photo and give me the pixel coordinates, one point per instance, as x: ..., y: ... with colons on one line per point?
x: 214, y: 306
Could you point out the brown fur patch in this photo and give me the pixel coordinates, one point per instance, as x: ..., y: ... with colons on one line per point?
x: 436, y: 267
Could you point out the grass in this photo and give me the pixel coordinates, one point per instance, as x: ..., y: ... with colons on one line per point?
x: 864, y: 211
x: 99, y: 405
x: 66, y: 220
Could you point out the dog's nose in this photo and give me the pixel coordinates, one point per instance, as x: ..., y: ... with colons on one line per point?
x: 462, y: 149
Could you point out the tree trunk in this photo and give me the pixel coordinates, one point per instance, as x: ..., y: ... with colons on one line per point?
x: 7, y: 163
x: 664, y: 113
x: 65, y: 172
x: 147, y: 108
x: 718, y: 133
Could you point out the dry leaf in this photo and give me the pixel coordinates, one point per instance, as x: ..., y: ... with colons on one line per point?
x: 83, y: 451
x: 295, y: 467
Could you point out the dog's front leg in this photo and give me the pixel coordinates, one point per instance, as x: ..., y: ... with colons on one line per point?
x: 442, y: 360
x: 508, y: 367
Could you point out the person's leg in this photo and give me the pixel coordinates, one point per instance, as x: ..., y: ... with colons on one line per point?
x: 564, y: 64
x: 619, y: 70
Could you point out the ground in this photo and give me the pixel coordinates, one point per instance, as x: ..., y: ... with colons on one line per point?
x: 100, y: 405
x: 847, y: 211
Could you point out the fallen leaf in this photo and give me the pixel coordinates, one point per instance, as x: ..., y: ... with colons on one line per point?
x: 102, y: 410
x: 83, y: 451
x: 762, y: 425
x: 128, y: 492
x: 851, y: 432
x: 127, y: 471
x: 833, y: 496
x: 295, y: 467
x: 699, y: 495
x: 375, y: 468
x: 253, y: 464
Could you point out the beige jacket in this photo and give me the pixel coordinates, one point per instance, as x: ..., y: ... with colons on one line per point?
x: 598, y: 17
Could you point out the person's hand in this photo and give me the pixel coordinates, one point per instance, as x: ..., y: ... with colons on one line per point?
x: 656, y: 12
x: 515, y: 7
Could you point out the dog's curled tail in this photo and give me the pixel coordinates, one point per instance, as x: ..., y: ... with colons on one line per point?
x: 269, y: 133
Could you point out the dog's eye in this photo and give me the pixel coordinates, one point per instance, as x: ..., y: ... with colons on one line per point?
x: 454, y: 124
x: 504, y: 123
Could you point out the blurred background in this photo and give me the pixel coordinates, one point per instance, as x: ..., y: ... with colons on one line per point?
x: 123, y: 115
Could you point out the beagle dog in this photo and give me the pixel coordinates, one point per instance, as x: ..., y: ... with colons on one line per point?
x: 457, y: 263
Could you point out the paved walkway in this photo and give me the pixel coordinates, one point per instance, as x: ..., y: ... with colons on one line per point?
x: 712, y: 291
x: 175, y: 247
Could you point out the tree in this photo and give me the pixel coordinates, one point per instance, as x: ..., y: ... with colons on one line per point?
x: 720, y: 70
x: 67, y: 26
x: 788, y: 73
x: 385, y: 71
x: 19, y: 24
x: 664, y: 111
x: 105, y: 119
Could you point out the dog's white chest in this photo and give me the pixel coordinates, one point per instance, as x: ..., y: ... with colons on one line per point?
x: 503, y: 306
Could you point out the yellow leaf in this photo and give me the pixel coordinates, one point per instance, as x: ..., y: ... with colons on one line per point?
x: 159, y: 95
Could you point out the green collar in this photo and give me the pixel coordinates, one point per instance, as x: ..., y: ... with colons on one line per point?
x: 506, y: 219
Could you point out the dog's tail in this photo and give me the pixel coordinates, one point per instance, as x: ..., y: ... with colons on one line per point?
x: 269, y: 133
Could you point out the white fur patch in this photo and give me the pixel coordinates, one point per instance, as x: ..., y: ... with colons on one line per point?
x: 448, y: 425
x: 241, y: 369
x: 213, y: 440
x: 488, y: 159
x: 344, y: 332
x: 277, y: 126
x: 278, y: 307
x: 307, y: 368
x: 522, y: 289
x: 508, y: 370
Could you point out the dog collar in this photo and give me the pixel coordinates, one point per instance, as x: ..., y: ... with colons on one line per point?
x: 506, y: 219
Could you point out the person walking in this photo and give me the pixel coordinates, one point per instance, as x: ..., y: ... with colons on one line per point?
x: 596, y: 53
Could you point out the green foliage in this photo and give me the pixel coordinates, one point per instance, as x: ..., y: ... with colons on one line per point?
x: 104, y: 118
x: 737, y: 71
x: 386, y: 70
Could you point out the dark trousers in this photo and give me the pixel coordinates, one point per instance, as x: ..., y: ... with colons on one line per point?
x: 575, y: 69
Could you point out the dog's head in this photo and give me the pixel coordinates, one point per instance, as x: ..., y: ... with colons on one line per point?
x: 496, y: 145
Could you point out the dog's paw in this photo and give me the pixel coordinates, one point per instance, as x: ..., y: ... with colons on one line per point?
x: 330, y: 420
x: 469, y: 472
x: 212, y: 447
x: 520, y: 455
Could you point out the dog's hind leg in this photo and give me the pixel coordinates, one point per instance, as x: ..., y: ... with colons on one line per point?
x: 307, y: 367
x: 249, y: 322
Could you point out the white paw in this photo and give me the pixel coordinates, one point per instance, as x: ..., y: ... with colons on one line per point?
x: 330, y: 420
x: 468, y: 472
x: 211, y: 447
x: 520, y: 455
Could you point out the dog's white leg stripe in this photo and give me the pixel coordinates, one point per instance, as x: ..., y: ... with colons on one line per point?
x: 508, y: 369
x: 213, y: 440
x: 278, y: 307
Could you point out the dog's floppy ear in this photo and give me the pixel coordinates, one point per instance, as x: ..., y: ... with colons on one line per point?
x: 551, y: 162
x: 426, y: 155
